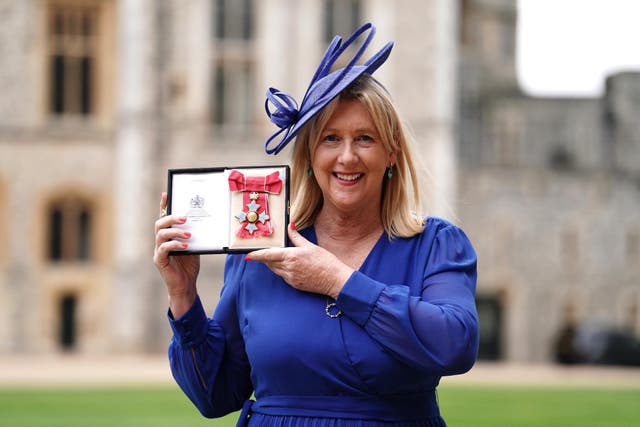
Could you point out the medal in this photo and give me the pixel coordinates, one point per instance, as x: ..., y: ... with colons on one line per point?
x: 254, y: 219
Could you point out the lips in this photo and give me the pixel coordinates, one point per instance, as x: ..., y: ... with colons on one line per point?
x: 349, y: 177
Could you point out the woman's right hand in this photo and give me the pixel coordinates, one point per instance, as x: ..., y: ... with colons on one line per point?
x: 179, y: 273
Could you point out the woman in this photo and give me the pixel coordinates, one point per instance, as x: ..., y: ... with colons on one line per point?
x: 356, y: 321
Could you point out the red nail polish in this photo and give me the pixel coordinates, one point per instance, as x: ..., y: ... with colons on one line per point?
x: 184, y: 245
x: 182, y: 219
x: 293, y: 226
x: 246, y: 258
x: 187, y: 234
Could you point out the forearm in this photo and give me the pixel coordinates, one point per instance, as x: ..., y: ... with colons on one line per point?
x: 435, y: 336
x: 211, y: 370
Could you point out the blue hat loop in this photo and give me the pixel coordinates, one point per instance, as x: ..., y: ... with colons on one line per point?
x: 325, y: 86
x: 286, y: 113
x: 325, y: 66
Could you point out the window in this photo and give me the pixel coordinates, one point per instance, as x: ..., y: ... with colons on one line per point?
x: 72, y: 57
x: 560, y: 158
x: 233, y: 67
x: 507, y: 40
x: 465, y: 24
x: 234, y: 19
x: 69, y: 231
x: 631, y: 318
x: 342, y: 17
x: 233, y: 93
x: 507, y: 126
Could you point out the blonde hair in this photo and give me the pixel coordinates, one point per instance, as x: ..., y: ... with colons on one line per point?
x: 401, y: 199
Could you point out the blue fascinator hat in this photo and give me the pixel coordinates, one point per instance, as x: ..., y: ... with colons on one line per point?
x: 324, y: 87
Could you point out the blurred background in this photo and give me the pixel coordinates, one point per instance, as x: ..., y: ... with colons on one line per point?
x: 100, y: 97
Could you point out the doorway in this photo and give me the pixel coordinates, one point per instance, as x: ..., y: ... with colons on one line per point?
x: 490, y: 317
x: 67, y: 331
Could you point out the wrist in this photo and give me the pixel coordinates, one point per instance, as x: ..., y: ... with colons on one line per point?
x: 181, y: 302
x: 340, y: 279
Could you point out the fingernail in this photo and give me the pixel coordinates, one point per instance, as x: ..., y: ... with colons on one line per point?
x: 182, y: 219
x: 246, y: 258
x: 293, y: 226
x: 187, y: 234
x: 184, y: 245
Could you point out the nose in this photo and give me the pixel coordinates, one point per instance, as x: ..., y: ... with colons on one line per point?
x: 348, y: 153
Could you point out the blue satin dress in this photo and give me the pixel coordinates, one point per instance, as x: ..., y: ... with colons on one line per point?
x: 408, y: 318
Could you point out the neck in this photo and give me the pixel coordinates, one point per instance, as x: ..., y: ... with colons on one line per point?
x: 345, y: 227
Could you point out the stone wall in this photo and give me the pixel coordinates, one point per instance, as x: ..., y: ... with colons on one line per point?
x: 154, y: 114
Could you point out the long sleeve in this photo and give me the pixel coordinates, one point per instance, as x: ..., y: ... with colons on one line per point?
x: 433, y: 328
x: 207, y: 356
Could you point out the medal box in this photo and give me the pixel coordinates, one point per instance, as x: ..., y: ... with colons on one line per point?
x: 231, y: 209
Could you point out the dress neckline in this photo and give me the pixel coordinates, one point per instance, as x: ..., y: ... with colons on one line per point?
x: 313, y: 238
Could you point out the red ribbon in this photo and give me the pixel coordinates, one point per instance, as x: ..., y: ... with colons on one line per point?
x: 263, y: 185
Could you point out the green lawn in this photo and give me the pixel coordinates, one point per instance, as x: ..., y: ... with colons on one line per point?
x: 474, y: 406
x: 539, y: 407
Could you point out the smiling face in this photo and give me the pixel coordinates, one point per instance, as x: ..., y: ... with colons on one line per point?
x: 350, y: 161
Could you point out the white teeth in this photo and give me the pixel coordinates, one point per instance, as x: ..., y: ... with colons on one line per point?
x: 348, y: 177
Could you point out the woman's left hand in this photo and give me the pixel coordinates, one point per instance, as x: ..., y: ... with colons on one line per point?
x: 306, y: 267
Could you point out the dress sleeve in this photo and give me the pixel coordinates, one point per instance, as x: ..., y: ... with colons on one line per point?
x: 434, y: 330
x: 207, y: 356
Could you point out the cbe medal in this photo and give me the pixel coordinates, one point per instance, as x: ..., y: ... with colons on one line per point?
x: 255, y: 219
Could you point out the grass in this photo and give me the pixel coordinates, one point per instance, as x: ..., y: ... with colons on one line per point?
x: 475, y: 406
x: 100, y: 407
x: 539, y: 406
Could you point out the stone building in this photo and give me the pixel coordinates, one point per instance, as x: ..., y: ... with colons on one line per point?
x: 101, y: 97
x: 549, y: 192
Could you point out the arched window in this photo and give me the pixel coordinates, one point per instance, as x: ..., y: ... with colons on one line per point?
x: 72, y: 46
x: 69, y: 230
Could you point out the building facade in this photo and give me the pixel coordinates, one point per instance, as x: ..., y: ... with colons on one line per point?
x: 101, y: 97
x: 548, y: 192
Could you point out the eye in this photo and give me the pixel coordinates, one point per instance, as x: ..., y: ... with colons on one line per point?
x: 365, y: 138
x: 330, y: 138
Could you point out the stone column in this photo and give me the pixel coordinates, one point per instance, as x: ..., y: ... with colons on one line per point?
x: 19, y: 288
x: 23, y: 290
x: 423, y: 68
x: 134, y: 206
